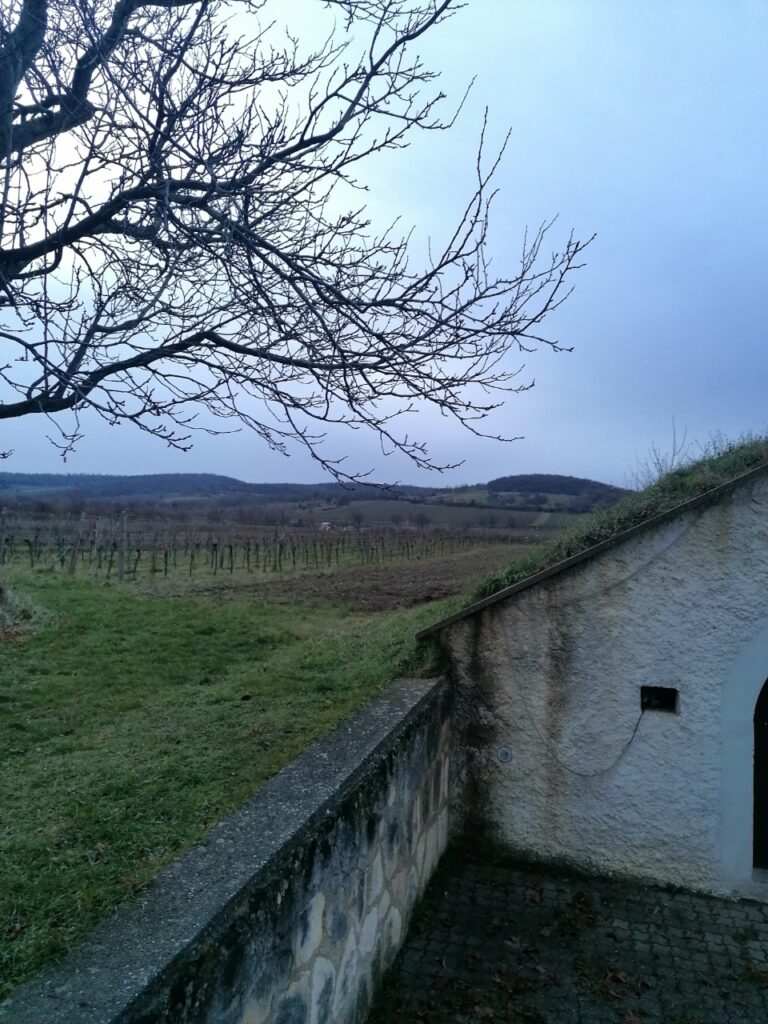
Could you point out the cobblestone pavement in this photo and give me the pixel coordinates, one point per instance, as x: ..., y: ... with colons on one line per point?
x: 510, y: 944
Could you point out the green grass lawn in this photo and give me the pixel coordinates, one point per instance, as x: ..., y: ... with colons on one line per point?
x: 130, y: 723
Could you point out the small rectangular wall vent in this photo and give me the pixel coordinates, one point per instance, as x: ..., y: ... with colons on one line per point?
x: 658, y: 698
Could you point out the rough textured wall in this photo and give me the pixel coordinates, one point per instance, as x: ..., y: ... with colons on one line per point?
x: 294, y: 907
x: 554, y: 673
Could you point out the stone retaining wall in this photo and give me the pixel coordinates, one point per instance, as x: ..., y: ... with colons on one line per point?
x: 294, y: 906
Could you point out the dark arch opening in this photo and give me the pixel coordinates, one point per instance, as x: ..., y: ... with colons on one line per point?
x: 760, y: 819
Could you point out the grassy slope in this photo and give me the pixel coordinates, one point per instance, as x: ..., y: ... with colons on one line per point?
x: 721, y: 463
x: 129, y: 724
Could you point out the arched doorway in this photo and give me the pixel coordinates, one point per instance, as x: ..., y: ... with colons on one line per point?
x: 760, y: 827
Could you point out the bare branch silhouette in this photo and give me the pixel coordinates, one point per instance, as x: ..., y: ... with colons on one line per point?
x: 177, y: 235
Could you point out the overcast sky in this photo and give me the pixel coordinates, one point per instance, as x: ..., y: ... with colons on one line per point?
x: 645, y: 121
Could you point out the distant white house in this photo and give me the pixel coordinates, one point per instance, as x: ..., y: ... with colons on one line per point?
x: 614, y: 708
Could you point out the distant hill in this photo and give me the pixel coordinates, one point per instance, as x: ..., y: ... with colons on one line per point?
x: 551, y: 483
x: 165, y: 486
x: 92, y: 485
x: 545, y: 492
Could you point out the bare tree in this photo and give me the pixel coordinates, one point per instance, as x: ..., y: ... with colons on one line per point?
x: 178, y: 235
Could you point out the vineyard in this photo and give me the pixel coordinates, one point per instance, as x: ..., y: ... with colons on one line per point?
x: 129, y: 547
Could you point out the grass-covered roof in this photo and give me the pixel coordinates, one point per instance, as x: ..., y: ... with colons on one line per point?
x: 720, y: 462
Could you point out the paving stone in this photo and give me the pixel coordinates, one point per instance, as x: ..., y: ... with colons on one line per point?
x: 505, y: 943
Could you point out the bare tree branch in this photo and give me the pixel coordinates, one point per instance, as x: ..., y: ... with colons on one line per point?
x: 179, y: 234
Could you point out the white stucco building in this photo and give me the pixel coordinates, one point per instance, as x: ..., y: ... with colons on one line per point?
x: 611, y: 704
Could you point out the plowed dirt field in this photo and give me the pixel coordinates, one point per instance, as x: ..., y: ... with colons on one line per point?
x: 399, y: 584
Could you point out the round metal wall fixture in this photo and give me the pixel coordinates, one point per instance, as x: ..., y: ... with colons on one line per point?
x: 504, y: 754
